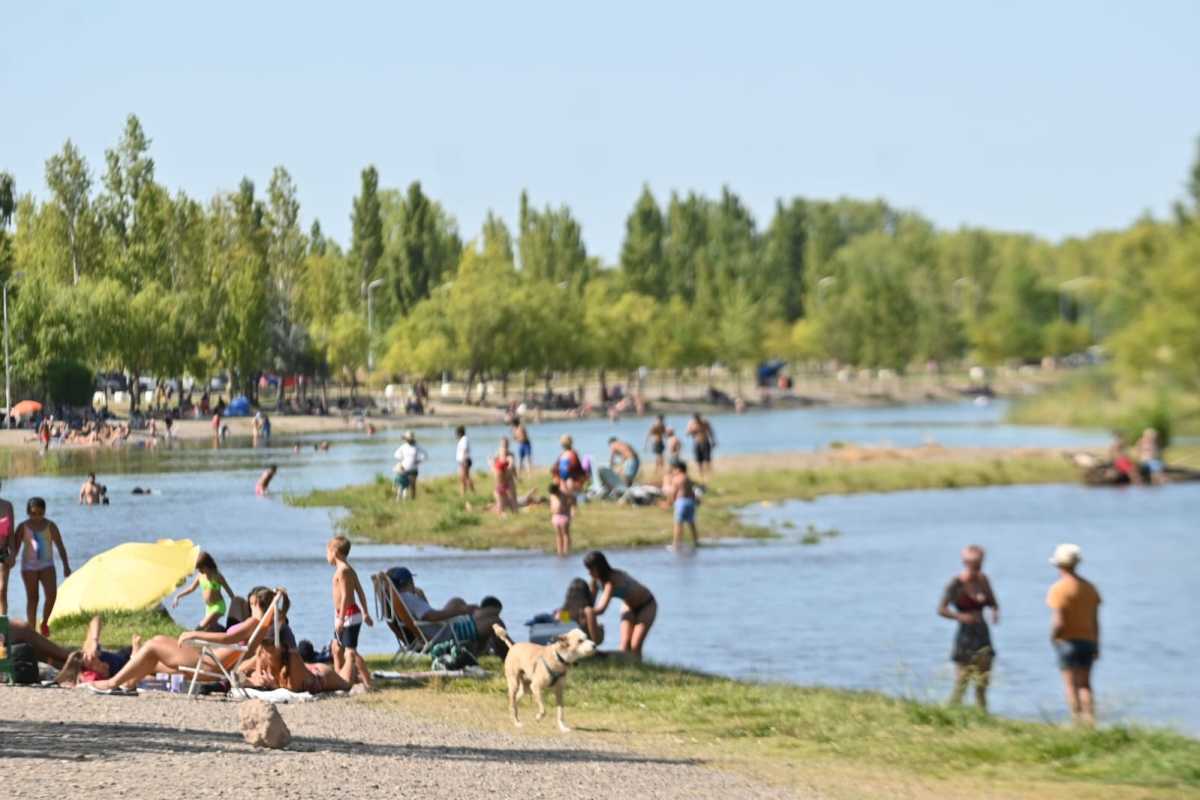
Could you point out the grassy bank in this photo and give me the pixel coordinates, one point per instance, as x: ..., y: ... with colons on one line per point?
x: 440, y: 516
x: 1095, y: 398
x: 119, y: 627
x: 841, y: 743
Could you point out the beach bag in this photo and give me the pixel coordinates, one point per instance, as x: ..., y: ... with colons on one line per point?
x: 24, y: 664
x: 450, y: 657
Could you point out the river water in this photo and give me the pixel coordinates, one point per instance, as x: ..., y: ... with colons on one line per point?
x: 855, y: 610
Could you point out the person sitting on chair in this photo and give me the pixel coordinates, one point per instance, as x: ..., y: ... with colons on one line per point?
x: 482, y: 616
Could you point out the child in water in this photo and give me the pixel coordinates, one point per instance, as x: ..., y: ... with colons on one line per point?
x: 264, y: 480
x: 210, y: 579
x: 562, y: 505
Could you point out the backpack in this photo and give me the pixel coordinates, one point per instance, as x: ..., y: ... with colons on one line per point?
x: 24, y: 664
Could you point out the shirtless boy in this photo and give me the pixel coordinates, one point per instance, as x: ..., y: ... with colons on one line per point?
x: 349, y: 607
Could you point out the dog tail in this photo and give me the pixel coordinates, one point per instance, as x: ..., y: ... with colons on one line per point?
x: 502, y: 634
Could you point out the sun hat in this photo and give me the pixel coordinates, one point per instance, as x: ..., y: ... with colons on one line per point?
x: 409, y: 436
x: 1066, y: 555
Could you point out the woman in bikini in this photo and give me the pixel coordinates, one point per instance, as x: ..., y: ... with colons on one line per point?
x: 640, y: 607
x: 970, y: 593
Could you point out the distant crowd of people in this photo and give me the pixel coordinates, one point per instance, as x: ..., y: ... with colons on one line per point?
x: 572, y: 475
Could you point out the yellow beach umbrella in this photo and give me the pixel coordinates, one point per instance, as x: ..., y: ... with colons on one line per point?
x: 132, y: 576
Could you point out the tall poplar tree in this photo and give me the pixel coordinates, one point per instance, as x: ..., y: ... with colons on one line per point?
x: 70, y: 184
x: 366, y: 244
x: 642, y: 261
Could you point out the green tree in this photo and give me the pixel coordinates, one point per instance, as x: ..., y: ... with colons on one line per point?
x: 642, y: 260
x: 366, y: 245
x: 685, y: 242
x: 551, y: 245
x: 422, y: 245
x: 70, y: 184
x: 784, y: 245
x: 497, y: 240
x: 1162, y: 344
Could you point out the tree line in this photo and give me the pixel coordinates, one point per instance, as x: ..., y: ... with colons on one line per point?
x: 123, y: 275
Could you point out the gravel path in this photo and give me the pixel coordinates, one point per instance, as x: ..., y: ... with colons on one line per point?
x: 61, y: 743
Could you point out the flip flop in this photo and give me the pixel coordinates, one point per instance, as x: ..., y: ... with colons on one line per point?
x: 91, y: 687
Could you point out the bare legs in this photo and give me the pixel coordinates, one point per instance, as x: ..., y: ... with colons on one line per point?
x: 47, y: 579
x: 978, y: 672
x: 5, y: 568
x: 562, y: 539
x: 145, y: 661
x: 1077, y: 683
x: 635, y: 627
x: 349, y: 665
x: 677, y: 537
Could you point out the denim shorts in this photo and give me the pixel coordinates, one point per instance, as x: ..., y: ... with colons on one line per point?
x: 1075, y: 653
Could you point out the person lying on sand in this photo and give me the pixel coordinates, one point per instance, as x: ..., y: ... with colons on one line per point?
x: 89, y: 663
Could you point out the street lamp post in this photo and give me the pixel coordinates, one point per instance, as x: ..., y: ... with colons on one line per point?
x: 7, y: 381
x: 372, y: 286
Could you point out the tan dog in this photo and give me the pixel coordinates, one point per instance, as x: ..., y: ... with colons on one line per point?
x: 534, y: 668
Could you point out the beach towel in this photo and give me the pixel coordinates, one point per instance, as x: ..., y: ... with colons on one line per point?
x: 272, y: 695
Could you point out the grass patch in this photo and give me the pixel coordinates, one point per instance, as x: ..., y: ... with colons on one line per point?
x: 1095, y: 398
x: 782, y: 731
x: 119, y: 627
x: 441, y: 517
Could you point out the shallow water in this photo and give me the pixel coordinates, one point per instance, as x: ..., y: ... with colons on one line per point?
x: 854, y: 611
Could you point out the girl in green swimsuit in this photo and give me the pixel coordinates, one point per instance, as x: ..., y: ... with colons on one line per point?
x: 211, y: 581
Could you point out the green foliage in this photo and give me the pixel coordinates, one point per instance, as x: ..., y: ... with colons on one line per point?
x: 69, y: 382
x: 125, y: 276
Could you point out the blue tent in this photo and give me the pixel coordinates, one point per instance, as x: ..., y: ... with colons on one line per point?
x: 238, y: 407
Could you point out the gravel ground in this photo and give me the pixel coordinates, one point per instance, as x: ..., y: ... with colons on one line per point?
x: 66, y: 743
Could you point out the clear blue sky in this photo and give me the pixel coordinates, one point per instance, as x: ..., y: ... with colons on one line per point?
x: 1058, y: 118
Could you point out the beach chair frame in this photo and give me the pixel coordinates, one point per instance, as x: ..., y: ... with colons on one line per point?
x: 419, y: 636
x: 228, y: 670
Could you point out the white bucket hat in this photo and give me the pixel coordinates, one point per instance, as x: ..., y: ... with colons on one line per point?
x: 1066, y: 555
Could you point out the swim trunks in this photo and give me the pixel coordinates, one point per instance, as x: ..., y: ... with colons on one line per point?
x: 685, y: 510
x: 703, y: 452
x: 524, y: 451
x: 1075, y: 653
x: 348, y: 638
x: 630, y: 469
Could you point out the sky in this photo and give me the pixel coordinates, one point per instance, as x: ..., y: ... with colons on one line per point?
x: 1056, y: 118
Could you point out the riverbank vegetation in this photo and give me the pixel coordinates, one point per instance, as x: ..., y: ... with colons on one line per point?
x: 1099, y: 398
x: 129, y: 276
x: 440, y: 516
x: 839, y: 743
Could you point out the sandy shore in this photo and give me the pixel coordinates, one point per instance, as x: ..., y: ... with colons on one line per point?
x: 58, y: 743
x: 673, y: 400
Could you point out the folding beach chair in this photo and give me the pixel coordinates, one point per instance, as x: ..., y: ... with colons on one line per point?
x: 385, y: 611
x: 227, y: 667
x: 412, y: 635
